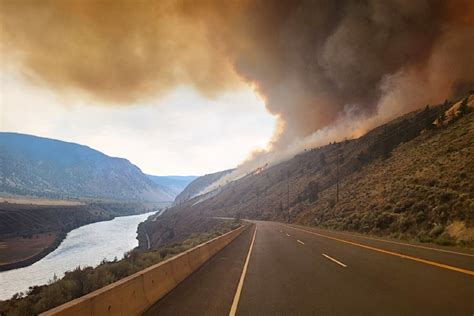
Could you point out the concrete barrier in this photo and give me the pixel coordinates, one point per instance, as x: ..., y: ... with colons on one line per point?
x: 136, y: 293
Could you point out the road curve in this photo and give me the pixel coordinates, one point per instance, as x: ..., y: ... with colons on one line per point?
x: 281, y: 269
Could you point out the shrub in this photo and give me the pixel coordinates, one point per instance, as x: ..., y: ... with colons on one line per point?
x: 446, y: 196
x: 404, y: 223
x: 443, y: 241
x: 419, y: 207
x: 384, y: 220
x: 420, y: 217
x: 331, y: 203
x: 424, y: 238
x: 437, y: 230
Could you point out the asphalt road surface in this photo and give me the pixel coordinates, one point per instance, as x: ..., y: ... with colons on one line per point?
x: 280, y: 269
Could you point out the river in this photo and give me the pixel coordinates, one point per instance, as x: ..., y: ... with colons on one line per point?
x: 85, y: 246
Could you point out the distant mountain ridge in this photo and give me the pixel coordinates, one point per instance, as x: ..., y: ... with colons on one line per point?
x: 172, y: 185
x: 32, y: 165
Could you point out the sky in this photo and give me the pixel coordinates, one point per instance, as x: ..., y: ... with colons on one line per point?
x: 190, y: 87
x: 180, y: 133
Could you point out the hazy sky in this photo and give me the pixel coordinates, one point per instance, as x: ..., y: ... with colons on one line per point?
x: 181, y: 133
x: 344, y: 66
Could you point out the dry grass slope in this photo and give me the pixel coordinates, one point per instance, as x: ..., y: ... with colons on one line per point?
x: 424, y: 189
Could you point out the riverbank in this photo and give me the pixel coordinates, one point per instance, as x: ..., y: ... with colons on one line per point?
x: 86, y: 246
x: 28, y: 233
x: 81, y: 280
x: 16, y: 253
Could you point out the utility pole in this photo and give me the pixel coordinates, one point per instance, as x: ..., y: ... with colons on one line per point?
x: 258, y: 195
x: 338, y: 161
x: 288, y: 191
x: 337, y: 181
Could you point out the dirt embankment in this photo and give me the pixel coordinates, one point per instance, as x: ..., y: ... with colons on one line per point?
x: 174, y: 227
x: 21, y: 252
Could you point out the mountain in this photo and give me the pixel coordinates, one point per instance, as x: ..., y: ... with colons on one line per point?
x: 199, y: 184
x: 172, y: 185
x: 412, y: 178
x: 37, y: 166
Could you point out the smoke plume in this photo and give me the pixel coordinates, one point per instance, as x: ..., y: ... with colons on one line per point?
x: 118, y: 52
x: 327, y: 69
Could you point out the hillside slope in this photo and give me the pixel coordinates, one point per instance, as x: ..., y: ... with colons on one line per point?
x: 424, y: 189
x: 37, y: 166
x: 409, y: 178
x: 172, y: 185
x: 199, y: 184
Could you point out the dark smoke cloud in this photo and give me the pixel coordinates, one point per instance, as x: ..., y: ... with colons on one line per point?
x: 113, y: 50
x: 316, y: 63
x: 313, y: 60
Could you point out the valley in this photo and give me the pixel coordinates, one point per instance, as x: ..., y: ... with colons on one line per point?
x: 49, y: 187
x: 30, y: 232
x: 256, y: 157
x: 403, y: 190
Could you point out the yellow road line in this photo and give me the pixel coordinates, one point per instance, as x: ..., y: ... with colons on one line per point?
x: 334, y: 260
x: 235, y: 303
x: 408, y: 245
x: 436, y: 264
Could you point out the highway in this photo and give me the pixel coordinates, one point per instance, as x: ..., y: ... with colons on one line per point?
x: 281, y: 269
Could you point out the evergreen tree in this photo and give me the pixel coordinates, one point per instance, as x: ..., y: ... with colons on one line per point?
x: 463, y: 108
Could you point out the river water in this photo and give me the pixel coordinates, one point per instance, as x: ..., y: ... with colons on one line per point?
x: 85, y: 246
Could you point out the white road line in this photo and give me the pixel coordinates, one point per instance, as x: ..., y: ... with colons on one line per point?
x: 300, y: 241
x: 334, y: 260
x: 391, y: 253
x: 288, y: 235
x: 402, y: 243
x: 235, y: 303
